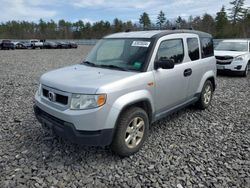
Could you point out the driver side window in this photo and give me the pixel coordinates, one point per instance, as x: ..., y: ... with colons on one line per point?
x: 171, y: 49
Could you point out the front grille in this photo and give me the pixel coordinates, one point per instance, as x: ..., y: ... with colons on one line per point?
x: 62, y: 99
x: 223, y: 63
x: 224, y: 60
x: 58, y: 98
x: 224, y: 57
x: 45, y: 93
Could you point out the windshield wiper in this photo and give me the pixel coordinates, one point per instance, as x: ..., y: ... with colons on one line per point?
x: 89, y: 63
x: 113, y: 67
x: 104, y: 66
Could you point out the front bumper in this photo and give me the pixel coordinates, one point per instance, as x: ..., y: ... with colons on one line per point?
x: 84, y: 120
x: 230, y: 72
x: 232, y: 69
x: 68, y: 131
x: 234, y: 66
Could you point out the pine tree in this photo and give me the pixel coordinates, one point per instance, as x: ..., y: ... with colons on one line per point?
x: 221, y: 22
x: 118, y: 25
x: 246, y: 24
x: 237, y: 11
x: 181, y: 23
x: 208, y: 24
x: 161, y: 19
x: 145, y: 20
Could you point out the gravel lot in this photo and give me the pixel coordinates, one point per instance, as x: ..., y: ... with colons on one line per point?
x: 191, y: 148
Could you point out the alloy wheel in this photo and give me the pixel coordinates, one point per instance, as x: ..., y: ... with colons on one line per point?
x: 207, y: 94
x: 134, y: 132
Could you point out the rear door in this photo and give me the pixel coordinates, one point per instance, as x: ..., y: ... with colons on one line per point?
x: 200, y: 54
x: 194, y: 63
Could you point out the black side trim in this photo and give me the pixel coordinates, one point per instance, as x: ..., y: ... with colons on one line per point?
x: 170, y: 111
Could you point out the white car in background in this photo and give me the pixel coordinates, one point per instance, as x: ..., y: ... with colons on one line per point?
x: 233, y: 56
x: 36, y: 43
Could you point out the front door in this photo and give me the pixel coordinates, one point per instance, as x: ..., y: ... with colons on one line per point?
x: 171, y: 84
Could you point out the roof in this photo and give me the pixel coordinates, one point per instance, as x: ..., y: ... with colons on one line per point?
x: 154, y: 34
x: 134, y: 34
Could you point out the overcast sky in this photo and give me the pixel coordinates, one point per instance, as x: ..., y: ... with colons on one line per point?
x: 95, y: 10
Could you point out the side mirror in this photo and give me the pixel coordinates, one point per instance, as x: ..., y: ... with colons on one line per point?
x: 164, y: 64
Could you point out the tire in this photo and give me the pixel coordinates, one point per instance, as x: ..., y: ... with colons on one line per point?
x: 133, y: 125
x: 206, y: 95
x: 246, y: 71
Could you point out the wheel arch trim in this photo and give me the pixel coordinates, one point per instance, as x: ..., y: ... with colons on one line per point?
x: 210, y: 75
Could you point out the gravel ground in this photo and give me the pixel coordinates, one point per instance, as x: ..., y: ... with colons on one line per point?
x: 191, y: 148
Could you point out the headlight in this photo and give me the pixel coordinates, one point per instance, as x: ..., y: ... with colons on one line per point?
x: 39, y: 91
x: 82, y: 102
x: 239, y: 58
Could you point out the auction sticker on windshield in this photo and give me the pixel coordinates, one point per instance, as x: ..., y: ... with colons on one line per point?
x: 144, y: 44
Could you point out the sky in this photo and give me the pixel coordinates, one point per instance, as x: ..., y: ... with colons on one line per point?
x: 95, y: 10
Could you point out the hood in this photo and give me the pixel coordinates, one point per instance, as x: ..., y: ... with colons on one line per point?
x: 82, y: 78
x: 228, y: 53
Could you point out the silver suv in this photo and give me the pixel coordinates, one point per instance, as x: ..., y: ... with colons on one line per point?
x: 128, y: 81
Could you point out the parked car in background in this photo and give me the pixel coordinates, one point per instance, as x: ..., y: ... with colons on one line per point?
x: 233, y: 56
x: 128, y: 81
x: 36, y: 44
x: 72, y: 45
x: 7, y: 45
x: 20, y: 45
x: 62, y: 45
x: 50, y: 45
x: 27, y: 44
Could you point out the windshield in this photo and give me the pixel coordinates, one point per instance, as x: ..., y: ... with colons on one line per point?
x: 232, y: 46
x: 124, y: 54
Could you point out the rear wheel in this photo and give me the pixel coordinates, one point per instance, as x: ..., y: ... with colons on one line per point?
x: 206, y: 95
x: 131, y: 132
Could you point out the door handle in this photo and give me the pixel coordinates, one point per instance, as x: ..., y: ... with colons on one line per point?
x: 187, y: 72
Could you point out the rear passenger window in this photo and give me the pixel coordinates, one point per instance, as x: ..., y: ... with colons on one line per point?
x: 207, y: 47
x: 193, y: 48
x: 171, y: 49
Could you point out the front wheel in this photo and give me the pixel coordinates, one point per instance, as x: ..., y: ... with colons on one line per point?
x: 246, y: 71
x: 131, y: 132
x: 206, y: 95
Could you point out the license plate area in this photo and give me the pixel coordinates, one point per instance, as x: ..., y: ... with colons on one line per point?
x: 47, y: 127
x: 220, y: 67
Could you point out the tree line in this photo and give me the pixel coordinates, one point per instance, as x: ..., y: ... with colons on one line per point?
x: 234, y: 24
